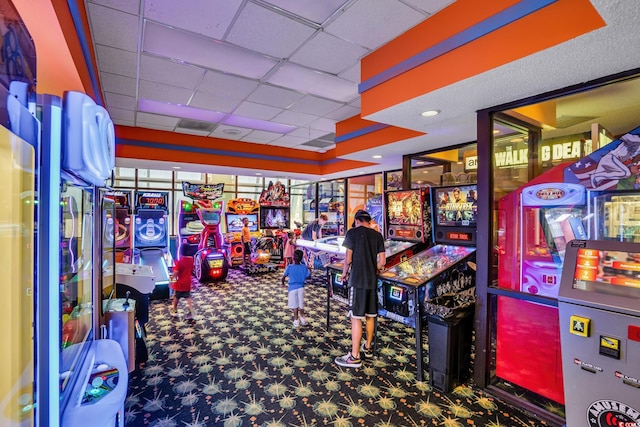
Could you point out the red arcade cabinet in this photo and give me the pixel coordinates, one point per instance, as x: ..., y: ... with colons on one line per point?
x: 574, y: 200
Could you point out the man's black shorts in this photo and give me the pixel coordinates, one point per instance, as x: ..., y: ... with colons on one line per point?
x: 363, y: 302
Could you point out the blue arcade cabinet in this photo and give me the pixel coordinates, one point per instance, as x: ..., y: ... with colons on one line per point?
x: 151, y: 238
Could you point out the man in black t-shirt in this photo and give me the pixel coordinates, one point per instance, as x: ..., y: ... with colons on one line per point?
x: 365, y: 257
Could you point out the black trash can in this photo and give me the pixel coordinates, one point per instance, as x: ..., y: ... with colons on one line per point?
x: 450, y: 332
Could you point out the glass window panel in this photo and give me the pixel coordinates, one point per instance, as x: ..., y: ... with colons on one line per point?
x: 124, y: 183
x: 125, y: 173
x: 331, y: 201
x: 154, y: 185
x: 192, y: 177
x: 229, y: 181
x: 257, y: 180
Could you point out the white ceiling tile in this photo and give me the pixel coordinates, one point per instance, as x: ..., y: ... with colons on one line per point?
x: 324, y: 124
x: 289, y: 141
x: 328, y: 53
x: 307, y: 148
x: 156, y: 119
x: 123, y: 122
x: 352, y: 73
x: 356, y: 103
x: 114, y: 28
x: 221, y: 84
x: 230, y: 132
x: 257, y: 111
x: 156, y: 127
x: 118, y: 84
x: 377, y: 22
x: 261, y: 135
x: 262, y: 30
x: 313, y: 10
x: 115, y: 100
x: 294, y: 118
x: 203, y: 51
x: 213, y: 102
x: 276, y: 96
x: 317, y: 106
x: 430, y: 6
x: 169, y: 72
x: 208, y: 17
x: 254, y: 140
x: 121, y: 114
x: 192, y: 131
x: 307, y: 133
x: 163, y: 93
x: 116, y: 61
x: 129, y: 6
x: 344, y: 113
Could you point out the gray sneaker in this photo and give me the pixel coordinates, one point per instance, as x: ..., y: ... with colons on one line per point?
x: 368, y: 352
x: 348, y: 361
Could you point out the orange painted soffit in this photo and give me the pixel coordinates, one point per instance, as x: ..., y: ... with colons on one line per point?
x: 556, y: 23
x: 387, y: 135
x: 352, y: 124
x: 140, y: 143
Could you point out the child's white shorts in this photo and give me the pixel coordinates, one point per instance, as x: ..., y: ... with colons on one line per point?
x: 296, y: 299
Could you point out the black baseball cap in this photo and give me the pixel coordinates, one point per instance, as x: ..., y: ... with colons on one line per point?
x: 362, y: 215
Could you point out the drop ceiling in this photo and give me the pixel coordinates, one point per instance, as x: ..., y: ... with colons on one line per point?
x: 283, y: 72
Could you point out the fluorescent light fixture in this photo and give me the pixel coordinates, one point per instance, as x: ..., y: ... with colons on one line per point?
x: 247, y: 122
x: 430, y: 113
x: 178, y: 110
x: 258, y: 173
x: 377, y: 156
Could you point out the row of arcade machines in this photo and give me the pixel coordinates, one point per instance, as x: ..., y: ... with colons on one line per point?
x: 430, y: 253
x: 571, y: 236
x: 142, y: 235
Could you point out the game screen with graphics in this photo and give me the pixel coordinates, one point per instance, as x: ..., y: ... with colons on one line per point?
x: 234, y: 222
x: 271, y: 218
x: 456, y: 206
x: 210, y: 217
x: 404, y: 207
x: 607, y: 272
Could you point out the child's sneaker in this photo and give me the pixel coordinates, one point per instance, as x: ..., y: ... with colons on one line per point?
x: 174, y: 313
x: 303, y: 321
x: 296, y: 323
x: 189, y: 316
x: 348, y: 361
x: 368, y: 352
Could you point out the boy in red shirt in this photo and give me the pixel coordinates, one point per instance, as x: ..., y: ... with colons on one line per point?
x: 181, y: 284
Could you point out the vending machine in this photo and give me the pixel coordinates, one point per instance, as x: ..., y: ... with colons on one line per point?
x: 599, y: 307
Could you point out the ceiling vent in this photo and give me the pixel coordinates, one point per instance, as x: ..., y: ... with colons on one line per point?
x: 322, y: 142
x: 196, y: 125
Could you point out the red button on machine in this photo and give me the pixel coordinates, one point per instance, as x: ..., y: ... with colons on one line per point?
x: 634, y: 333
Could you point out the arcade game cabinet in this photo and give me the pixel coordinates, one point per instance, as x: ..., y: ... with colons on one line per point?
x: 151, y: 237
x: 211, y: 256
x: 440, y: 270
x: 528, y: 335
x: 236, y: 210
x: 123, y: 223
x: 274, y: 219
x: 599, y: 307
x: 409, y: 235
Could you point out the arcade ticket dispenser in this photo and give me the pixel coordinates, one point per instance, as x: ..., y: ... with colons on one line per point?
x: 599, y: 306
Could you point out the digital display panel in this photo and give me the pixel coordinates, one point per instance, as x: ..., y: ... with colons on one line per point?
x: 607, y: 272
x: 396, y: 293
x: 216, y: 263
x: 271, y: 218
x: 210, y: 217
x: 152, y: 200
x: 404, y: 207
x: 234, y: 222
x: 456, y: 206
x: 460, y: 237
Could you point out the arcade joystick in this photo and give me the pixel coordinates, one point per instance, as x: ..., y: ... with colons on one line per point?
x: 125, y: 305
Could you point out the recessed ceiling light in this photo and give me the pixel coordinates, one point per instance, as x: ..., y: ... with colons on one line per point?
x: 496, y: 131
x: 516, y: 140
x: 430, y: 113
x: 377, y: 156
x: 176, y: 167
x: 420, y: 162
x: 258, y: 173
x: 425, y: 171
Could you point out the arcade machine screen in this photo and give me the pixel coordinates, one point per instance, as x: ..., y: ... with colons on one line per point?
x: 607, y: 272
x: 274, y: 218
x: 404, y: 217
x: 455, y: 214
x: 210, y: 217
x: 234, y: 222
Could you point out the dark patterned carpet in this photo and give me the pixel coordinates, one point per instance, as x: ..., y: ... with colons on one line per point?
x: 241, y: 363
